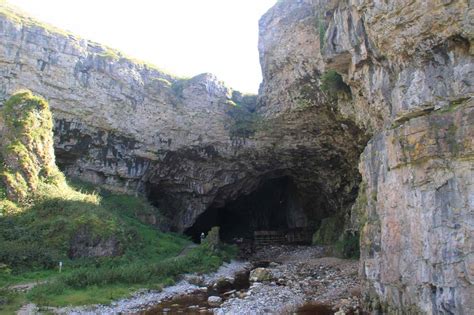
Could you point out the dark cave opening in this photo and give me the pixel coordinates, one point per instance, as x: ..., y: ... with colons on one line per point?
x: 273, y: 206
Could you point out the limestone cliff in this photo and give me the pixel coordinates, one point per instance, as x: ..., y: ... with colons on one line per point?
x: 367, y: 98
x: 183, y: 142
x: 407, y: 71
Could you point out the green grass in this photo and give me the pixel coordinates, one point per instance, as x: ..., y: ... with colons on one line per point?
x: 31, y: 244
x: 86, y: 296
x: 150, y: 259
x: 111, y: 280
x: 56, y: 221
x: 10, y: 301
x: 26, y: 145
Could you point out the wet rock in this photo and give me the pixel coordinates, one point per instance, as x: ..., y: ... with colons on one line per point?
x: 261, y: 275
x: 223, y: 285
x: 229, y: 293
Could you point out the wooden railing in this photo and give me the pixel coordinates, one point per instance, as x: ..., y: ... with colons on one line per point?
x: 294, y: 236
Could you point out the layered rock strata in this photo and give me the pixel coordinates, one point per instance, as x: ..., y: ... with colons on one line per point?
x: 409, y: 69
x: 183, y: 142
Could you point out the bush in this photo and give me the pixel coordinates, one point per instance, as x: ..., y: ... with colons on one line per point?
x: 23, y: 255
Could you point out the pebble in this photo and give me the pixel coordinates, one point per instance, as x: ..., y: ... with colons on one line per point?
x: 297, y: 272
x: 302, y: 272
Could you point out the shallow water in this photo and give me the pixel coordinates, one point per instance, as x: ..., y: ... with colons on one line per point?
x: 187, y: 304
x: 196, y: 303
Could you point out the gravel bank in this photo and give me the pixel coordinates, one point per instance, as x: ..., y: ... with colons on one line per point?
x: 146, y: 299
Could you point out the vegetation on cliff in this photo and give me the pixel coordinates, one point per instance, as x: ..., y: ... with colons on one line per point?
x: 245, y: 121
x: 27, y: 146
x: 105, y: 251
x: 333, y: 84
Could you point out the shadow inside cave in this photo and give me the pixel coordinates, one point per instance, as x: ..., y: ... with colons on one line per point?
x: 273, y: 207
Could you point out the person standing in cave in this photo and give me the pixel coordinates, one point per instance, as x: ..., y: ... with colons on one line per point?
x: 203, y: 237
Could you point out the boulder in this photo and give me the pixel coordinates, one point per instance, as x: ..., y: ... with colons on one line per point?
x: 214, y: 301
x: 261, y: 275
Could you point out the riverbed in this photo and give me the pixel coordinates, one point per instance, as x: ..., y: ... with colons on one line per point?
x: 302, y: 281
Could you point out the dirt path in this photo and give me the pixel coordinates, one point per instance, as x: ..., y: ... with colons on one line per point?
x: 187, y: 249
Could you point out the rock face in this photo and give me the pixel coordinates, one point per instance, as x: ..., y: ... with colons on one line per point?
x: 417, y: 224
x: 375, y: 95
x: 184, y: 143
x: 409, y: 68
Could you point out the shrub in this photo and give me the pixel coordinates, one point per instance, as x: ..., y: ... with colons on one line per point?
x: 27, y: 255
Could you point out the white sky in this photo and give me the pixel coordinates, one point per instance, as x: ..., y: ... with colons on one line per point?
x: 184, y: 37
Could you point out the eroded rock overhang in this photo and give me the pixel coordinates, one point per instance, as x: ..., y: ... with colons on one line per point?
x: 189, y: 145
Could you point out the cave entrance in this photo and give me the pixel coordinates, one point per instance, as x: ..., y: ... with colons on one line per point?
x: 273, y: 206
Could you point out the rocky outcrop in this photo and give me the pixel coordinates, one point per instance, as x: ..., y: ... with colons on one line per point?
x: 406, y: 69
x: 27, y: 154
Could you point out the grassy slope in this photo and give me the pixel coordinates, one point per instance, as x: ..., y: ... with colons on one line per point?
x: 36, y: 231
x: 41, y: 236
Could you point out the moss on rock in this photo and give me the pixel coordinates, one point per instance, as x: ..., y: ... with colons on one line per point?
x: 329, y: 231
x: 26, y: 146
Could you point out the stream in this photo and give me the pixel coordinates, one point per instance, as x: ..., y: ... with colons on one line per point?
x: 301, y: 280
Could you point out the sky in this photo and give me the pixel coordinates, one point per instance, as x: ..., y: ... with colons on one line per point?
x: 183, y: 37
